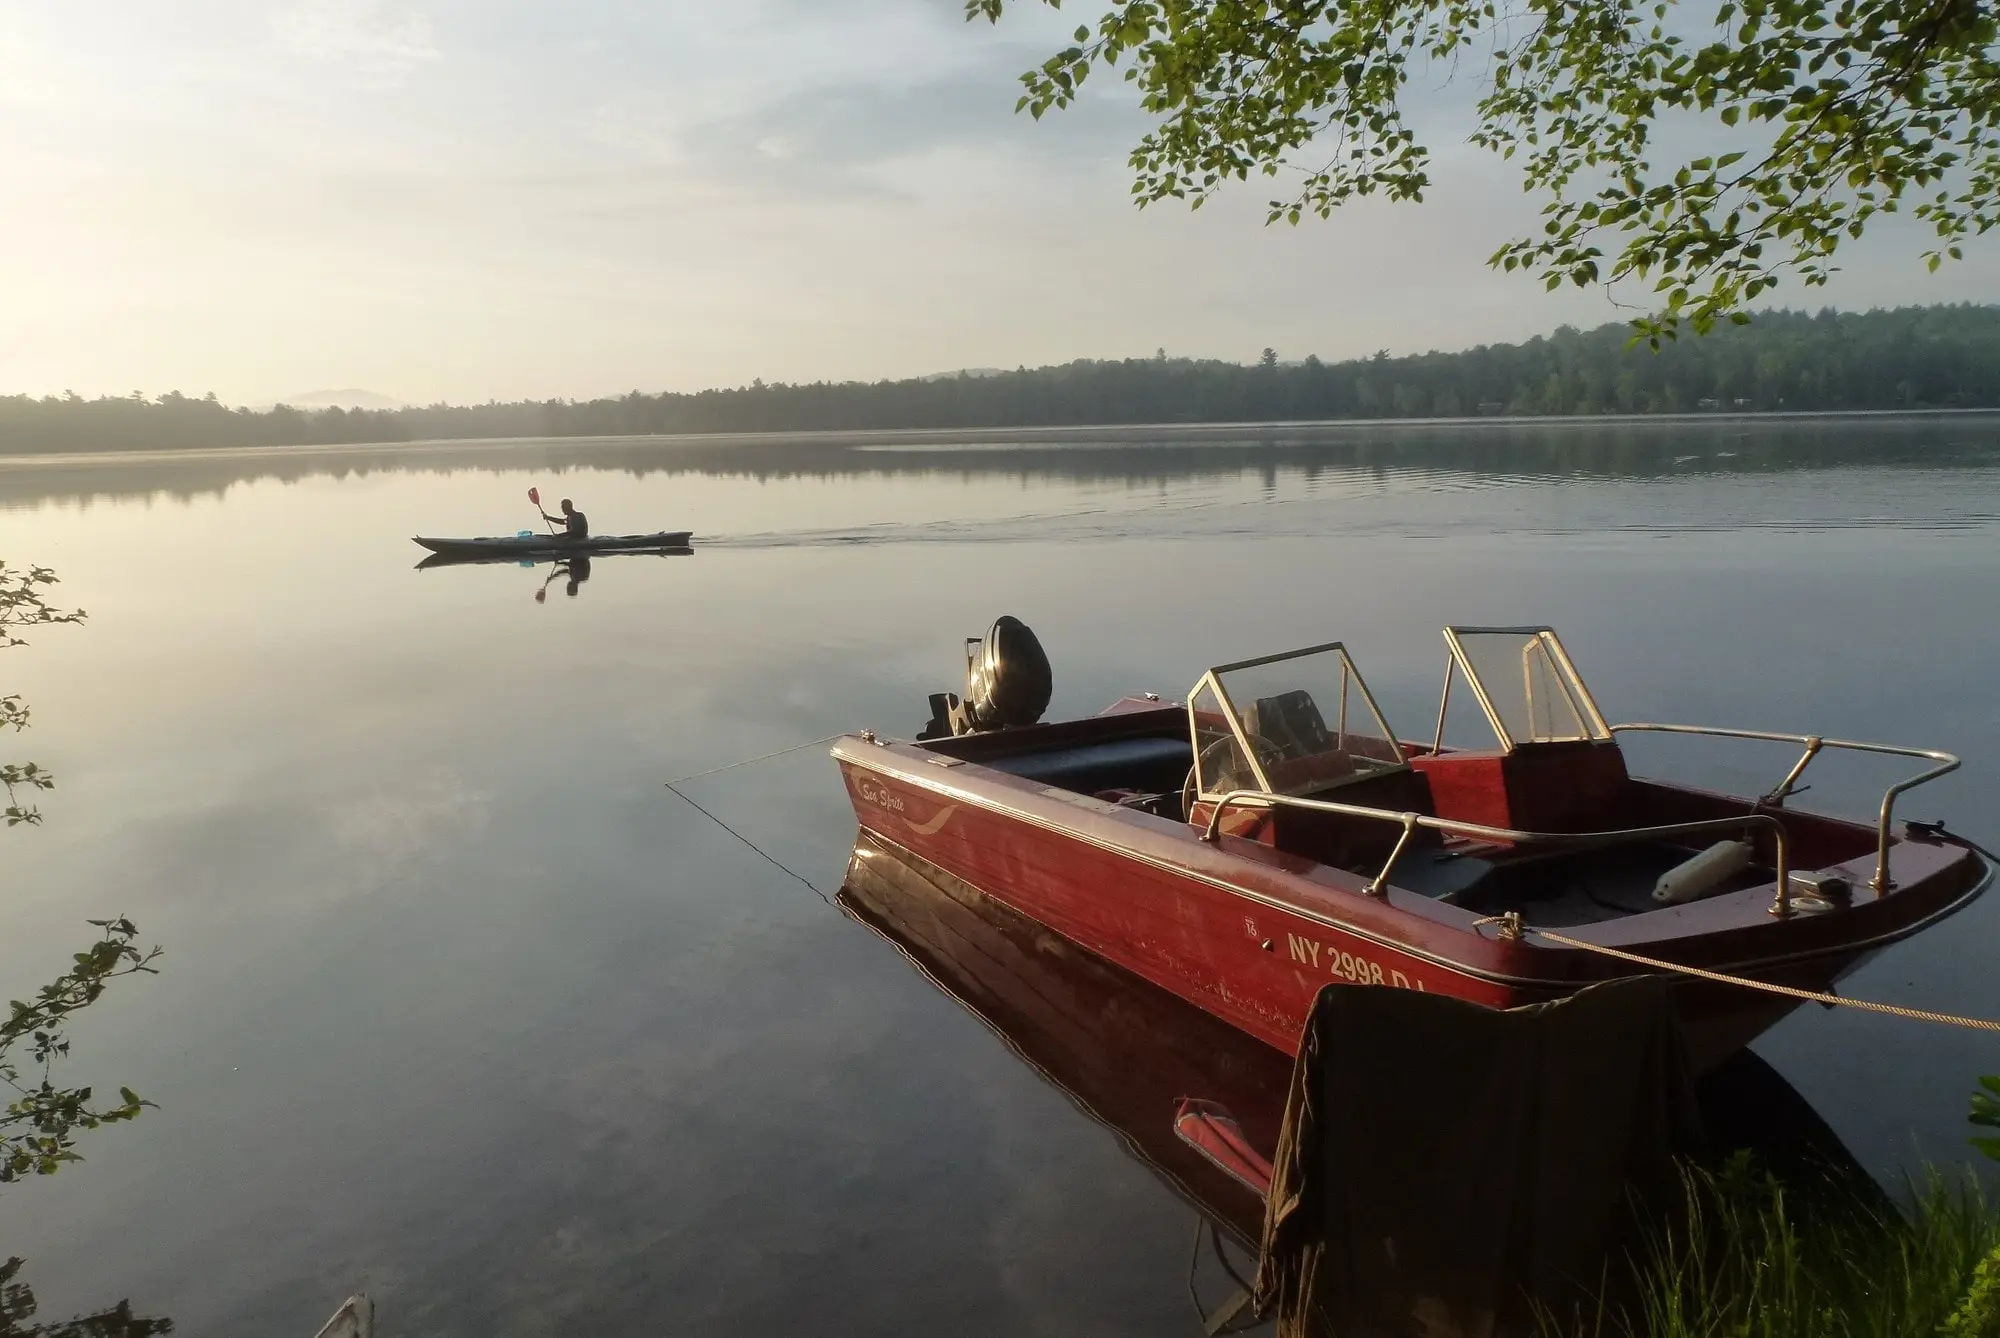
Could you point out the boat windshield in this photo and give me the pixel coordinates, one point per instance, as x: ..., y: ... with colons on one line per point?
x: 1293, y: 724
x: 1526, y: 685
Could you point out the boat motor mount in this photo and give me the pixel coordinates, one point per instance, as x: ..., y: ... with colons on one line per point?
x: 1007, y: 684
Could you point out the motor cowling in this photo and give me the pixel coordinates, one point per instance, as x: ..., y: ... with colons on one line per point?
x: 1007, y: 684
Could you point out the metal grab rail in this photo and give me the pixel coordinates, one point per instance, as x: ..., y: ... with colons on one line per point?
x: 1781, y: 906
x: 1813, y: 744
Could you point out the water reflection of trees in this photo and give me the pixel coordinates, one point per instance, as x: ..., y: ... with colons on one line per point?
x: 1134, y: 457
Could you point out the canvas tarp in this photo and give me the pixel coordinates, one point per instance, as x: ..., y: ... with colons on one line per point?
x: 1444, y: 1166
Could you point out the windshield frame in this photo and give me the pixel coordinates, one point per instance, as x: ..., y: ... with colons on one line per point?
x: 1576, y: 691
x: 1212, y: 680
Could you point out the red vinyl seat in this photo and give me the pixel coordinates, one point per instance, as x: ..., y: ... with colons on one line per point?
x: 1537, y: 787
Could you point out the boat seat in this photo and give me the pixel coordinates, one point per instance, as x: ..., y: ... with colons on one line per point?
x: 1152, y: 764
x: 1538, y: 787
x: 1346, y: 842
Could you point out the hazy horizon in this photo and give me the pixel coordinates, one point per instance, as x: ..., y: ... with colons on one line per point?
x: 361, y: 397
x: 458, y: 202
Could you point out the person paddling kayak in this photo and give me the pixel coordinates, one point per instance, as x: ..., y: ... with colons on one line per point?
x: 575, y: 524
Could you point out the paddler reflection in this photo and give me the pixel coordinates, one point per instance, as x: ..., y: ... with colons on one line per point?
x: 576, y: 569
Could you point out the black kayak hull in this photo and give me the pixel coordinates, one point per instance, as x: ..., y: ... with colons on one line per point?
x: 513, y: 546
x: 435, y: 560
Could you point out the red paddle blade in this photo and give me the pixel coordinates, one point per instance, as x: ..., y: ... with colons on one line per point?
x: 535, y: 496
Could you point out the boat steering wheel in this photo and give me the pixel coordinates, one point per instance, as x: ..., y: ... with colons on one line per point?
x: 1217, y: 759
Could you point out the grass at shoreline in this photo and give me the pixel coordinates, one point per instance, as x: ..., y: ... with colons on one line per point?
x: 1747, y: 1258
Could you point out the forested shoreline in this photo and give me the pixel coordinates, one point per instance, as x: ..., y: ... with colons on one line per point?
x: 1906, y: 358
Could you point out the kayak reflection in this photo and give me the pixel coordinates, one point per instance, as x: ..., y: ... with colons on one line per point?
x: 573, y: 569
x: 436, y: 560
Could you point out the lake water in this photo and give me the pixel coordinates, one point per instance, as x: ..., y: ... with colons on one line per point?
x: 462, y: 1007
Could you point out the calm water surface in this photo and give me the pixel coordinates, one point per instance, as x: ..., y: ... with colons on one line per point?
x: 462, y: 1007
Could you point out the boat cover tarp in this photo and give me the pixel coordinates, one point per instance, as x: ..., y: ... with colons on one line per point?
x: 1445, y: 1167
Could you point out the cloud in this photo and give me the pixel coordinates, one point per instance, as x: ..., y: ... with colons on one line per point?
x: 863, y: 123
x: 365, y: 35
x: 482, y: 198
x: 847, y: 139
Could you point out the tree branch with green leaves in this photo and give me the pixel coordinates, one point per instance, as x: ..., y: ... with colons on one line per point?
x: 23, y: 604
x: 41, y: 1121
x: 1986, y: 1114
x: 39, y: 1126
x: 1809, y: 119
x: 18, y: 1308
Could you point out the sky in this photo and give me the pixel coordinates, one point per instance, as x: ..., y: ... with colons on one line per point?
x: 503, y: 199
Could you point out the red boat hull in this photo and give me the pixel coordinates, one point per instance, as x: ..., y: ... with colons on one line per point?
x: 1251, y: 934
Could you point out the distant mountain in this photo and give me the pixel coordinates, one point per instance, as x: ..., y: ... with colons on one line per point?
x: 975, y: 372
x: 342, y: 399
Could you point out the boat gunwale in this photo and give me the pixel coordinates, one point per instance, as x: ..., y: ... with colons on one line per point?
x: 846, y: 750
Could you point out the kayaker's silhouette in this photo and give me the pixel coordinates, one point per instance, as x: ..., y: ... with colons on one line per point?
x: 575, y: 524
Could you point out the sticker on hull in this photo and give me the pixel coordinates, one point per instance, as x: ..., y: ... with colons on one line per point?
x: 869, y: 791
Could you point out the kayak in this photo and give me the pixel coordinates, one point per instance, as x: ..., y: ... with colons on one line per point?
x: 514, y: 545
x: 456, y: 559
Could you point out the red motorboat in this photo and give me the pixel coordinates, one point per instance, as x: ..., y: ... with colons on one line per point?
x: 1273, y: 834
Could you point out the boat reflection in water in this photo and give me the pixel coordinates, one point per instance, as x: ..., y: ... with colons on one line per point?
x: 1123, y: 1050
x: 1129, y: 1053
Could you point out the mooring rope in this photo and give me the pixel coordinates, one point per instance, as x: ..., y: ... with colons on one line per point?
x: 773, y: 861
x: 791, y: 873
x: 762, y: 757
x: 1810, y: 996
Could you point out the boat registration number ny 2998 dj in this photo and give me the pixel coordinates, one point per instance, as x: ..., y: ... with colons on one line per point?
x: 1351, y: 966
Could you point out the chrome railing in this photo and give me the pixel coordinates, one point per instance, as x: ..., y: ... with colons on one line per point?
x: 1410, y: 822
x: 1813, y: 744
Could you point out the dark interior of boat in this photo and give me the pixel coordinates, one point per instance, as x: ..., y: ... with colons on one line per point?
x: 1142, y: 759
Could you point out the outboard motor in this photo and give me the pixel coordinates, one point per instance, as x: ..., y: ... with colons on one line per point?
x: 1007, y: 684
